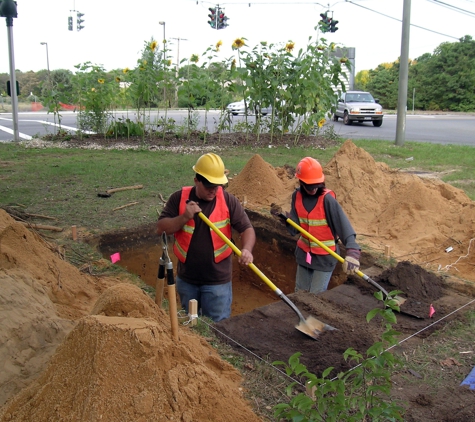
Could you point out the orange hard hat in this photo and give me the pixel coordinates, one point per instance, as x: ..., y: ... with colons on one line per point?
x: 309, y: 171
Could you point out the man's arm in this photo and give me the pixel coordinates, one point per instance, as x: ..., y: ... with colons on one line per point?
x: 170, y: 223
x: 248, y: 240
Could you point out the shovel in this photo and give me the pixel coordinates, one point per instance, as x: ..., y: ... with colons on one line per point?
x: 400, y: 300
x: 311, y: 326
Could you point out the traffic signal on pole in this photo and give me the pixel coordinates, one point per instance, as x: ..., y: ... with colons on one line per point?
x: 222, y: 19
x: 70, y: 23
x: 79, y: 21
x: 324, y: 22
x: 333, y: 27
x: 212, y: 17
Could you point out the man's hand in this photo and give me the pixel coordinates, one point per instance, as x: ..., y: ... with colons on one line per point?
x: 246, y: 257
x: 352, y: 263
x: 191, y: 209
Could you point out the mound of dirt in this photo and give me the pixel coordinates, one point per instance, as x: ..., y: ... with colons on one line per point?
x: 130, y: 369
x: 417, y: 218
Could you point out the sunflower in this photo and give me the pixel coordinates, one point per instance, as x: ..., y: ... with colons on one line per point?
x: 321, y: 122
x: 117, y: 79
x: 194, y: 58
x: 238, y: 43
x: 233, y: 64
x: 169, y: 62
x: 153, y: 45
x: 289, y: 47
x: 93, y: 89
x: 126, y: 70
x: 101, y: 81
x: 218, y: 44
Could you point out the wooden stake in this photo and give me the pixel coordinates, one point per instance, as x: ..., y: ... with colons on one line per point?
x: 173, y: 312
x: 109, y: 191
x: 42, y: 227
x: 387, y: 251
x: 193, y: 311
x: 74, y: 232
x: 125, y: 206
x: 159, y: 292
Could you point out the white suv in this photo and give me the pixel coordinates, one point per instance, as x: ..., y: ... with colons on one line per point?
x: 358, y: 106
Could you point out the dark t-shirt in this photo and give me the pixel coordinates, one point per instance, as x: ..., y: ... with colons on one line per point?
x: 200, y: 266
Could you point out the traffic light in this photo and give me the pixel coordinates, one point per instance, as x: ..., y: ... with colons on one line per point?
x: 79, y: 21
x: 333, y: 27
x: 324, y: 22
x: 222, y: 19
x: 70, y: 23
x: 212, y: 17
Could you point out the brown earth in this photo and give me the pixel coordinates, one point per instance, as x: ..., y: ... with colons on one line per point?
x: 78, y: 347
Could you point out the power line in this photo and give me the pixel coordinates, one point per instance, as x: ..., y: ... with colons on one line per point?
x: 399, y: 20
x: 455, y: 8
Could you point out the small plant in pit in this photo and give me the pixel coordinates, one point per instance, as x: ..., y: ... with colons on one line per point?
x: 360, y: 394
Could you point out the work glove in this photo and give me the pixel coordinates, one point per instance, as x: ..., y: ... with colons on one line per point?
x: 352, y: 263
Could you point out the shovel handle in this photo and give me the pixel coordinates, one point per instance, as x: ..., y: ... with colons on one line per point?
x: 236, y: 250
x: 332, y: 253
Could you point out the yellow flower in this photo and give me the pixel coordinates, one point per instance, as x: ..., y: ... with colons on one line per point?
x: 194, y: 58
x: 332, y: 46
x: 289, y: 47
x: 93, y: 89
x: 343, y: 60
x: 218, y: 44
x: 321, y: 123
x: 153, y: 45
x: 321, y: 47
x: 238, y: 43
x: 117, y: 79
x: 233, y: 64
x: 141, y: 68
x: 101, y: 81
x: 169, y: 62
x: 125, y: 70
x: 144, y: 62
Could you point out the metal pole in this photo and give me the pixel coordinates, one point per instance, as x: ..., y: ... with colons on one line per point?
x: 403, y: 75
x: 47, y: 62
x: 164, y: 57
x: 16, y: 133
x: 177, y: 65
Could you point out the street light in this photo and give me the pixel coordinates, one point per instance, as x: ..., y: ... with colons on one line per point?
x: 47, y: 56
x: 164, y: 43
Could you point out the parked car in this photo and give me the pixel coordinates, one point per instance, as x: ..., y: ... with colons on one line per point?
x: 239, y: 108
x: 358, y: 106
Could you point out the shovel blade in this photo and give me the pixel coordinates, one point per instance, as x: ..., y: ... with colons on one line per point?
x: 312, y: 327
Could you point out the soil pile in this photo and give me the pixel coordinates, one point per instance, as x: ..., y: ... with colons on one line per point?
x: 116, y: 368
x: 118, y: 364
x: 418, y: 218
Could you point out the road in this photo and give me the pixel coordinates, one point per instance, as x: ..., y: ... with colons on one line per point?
x: 456, y: 129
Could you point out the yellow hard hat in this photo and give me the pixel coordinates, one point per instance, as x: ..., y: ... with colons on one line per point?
x: 211, y: 167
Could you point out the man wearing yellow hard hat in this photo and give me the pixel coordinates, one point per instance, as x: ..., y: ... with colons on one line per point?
x: 204, y: 268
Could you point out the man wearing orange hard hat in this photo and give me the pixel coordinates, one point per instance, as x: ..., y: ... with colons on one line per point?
x: 316, y: 210
x: 204, y: 259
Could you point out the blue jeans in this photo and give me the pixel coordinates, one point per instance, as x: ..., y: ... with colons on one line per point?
x: 312, y: 280
x: 213, y: 300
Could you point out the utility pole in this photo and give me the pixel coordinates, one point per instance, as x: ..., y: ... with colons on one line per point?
x: 177, y: 65
x: 403, y: 75
x: 8, y: 10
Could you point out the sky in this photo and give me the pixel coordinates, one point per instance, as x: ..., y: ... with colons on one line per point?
x: 115, y: 32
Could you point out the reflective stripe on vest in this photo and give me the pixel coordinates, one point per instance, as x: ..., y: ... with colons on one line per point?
x: 316, y: 224
x: 219, y: 217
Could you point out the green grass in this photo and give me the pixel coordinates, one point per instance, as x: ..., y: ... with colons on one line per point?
x: 64, y: 183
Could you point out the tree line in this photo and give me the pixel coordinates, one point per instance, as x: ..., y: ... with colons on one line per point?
x: 443, y: 80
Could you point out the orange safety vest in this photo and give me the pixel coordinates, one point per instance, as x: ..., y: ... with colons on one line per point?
x: 316, y: 224
x: 219, y: 217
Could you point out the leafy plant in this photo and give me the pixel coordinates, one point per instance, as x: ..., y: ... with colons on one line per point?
x: 360, y: 394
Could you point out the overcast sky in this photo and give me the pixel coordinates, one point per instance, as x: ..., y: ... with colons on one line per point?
x: 115, y: 31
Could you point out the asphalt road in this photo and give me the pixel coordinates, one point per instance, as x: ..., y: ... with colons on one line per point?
x: 457, y: 129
